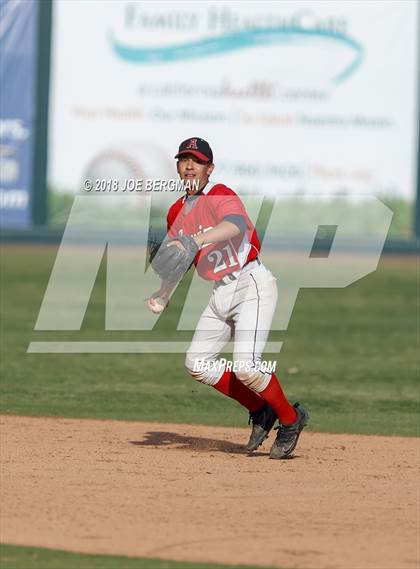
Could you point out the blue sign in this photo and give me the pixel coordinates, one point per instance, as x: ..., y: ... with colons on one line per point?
x: 18, y: 31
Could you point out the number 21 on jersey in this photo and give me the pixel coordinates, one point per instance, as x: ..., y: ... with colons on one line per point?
x: 223, y: 258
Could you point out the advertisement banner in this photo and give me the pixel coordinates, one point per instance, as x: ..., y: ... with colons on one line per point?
x: 18, y: 28
x: 309, y: 97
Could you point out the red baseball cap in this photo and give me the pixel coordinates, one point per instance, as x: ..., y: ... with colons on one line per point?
x: 197, y: 147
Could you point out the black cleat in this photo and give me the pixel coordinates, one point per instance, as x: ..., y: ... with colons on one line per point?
x: 262, y: 423
x: 288, y: 435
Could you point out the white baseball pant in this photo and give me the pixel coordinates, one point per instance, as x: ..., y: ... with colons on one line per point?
x: 243, y: 310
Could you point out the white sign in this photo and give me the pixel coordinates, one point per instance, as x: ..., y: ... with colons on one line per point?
x: 307, y: 97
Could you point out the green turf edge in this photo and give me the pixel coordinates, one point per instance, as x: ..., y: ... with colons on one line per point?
x: 18, y: 557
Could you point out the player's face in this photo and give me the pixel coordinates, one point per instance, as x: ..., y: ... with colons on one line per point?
x: 191, y: 168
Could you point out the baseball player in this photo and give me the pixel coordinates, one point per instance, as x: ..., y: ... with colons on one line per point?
x: 209, y: 226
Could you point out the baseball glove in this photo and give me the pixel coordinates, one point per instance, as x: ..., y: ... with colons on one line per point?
x: 170, y: 262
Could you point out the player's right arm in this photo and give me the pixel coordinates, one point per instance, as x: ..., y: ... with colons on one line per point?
x: 159, y: 300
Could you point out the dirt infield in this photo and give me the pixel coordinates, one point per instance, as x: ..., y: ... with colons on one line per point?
x: 190, y: 493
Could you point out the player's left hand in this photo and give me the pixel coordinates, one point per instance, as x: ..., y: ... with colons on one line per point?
x: 180, y: 246
x: 176, y: 243
x: 173, y: 259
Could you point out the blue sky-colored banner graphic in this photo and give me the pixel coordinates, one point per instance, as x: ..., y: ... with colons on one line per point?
x: 235, y: 41
x: 18, y: 29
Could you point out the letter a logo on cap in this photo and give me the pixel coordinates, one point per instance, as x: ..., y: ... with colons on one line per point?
x: 196, y: 146
x: 192, y: 144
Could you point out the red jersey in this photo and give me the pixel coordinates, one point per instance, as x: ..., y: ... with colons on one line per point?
x: 208, y: 209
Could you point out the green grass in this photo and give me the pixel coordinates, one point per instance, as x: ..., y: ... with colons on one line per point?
x: 16, y: 557
x: 355, y: 350
x: 402, y: 222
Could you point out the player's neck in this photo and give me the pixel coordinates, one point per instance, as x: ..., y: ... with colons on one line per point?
x: 198, y: 192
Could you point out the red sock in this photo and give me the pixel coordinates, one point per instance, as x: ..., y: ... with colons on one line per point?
x: 275, y: 397
x: 230, y: 385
